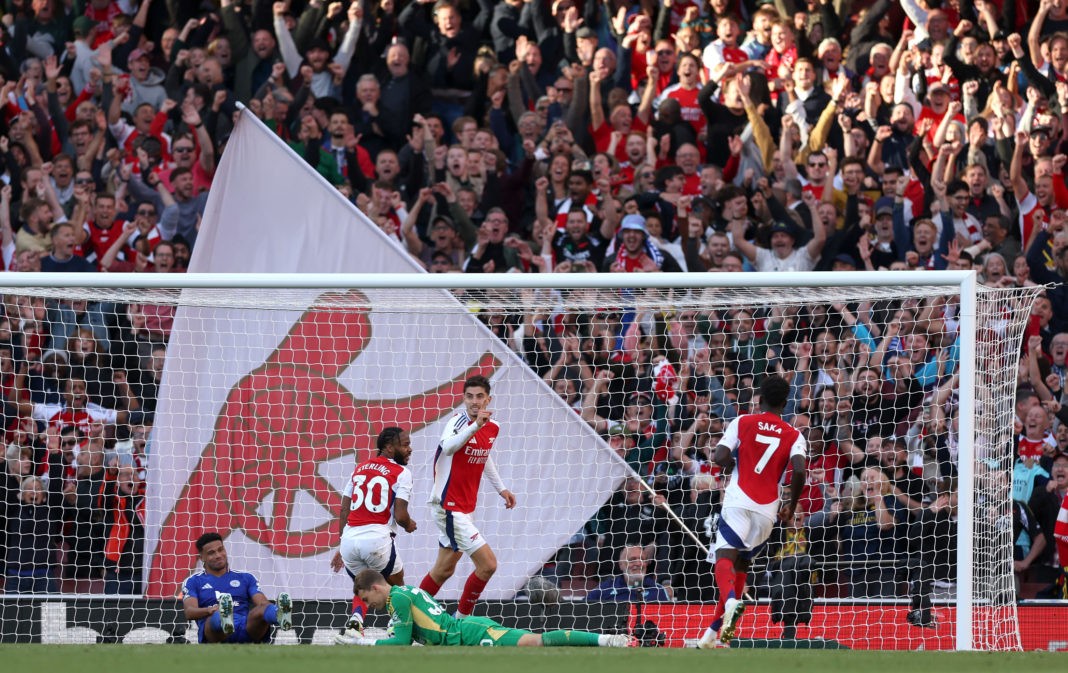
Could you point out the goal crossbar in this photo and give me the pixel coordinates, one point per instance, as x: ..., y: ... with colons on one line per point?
x: 326, y: 281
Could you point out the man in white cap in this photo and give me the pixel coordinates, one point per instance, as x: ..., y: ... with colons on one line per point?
x: 937, y: 107
x: 634, y: 251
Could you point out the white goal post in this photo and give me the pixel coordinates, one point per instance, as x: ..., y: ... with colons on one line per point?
x: 988, y: 325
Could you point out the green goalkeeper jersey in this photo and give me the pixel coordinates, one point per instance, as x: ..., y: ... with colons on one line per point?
x: 416, y: 617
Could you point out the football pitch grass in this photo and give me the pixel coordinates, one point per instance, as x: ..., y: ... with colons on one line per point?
x: 309, y: 659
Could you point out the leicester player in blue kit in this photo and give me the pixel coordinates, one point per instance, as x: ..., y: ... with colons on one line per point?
x: 227, y: 605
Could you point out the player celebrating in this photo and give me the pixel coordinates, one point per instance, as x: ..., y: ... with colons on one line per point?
x: 375, y: 503
x: 243, y: 614
x: 462, y: 457
x: 416, y: 617
x: 756, y: 449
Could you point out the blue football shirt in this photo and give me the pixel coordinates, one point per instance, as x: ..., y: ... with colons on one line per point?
x: 206, y: 588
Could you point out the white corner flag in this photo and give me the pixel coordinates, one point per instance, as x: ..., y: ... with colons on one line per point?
x: 214, y: 467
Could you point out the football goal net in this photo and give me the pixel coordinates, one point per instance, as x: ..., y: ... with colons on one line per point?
x: 144, y: 411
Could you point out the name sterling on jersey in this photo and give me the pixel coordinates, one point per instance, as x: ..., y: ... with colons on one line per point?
x: 381, y: 469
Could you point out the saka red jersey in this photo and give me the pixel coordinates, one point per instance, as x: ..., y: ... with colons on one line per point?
x: 762, y: 445
x: 457, y: 476
x: 373, y: 489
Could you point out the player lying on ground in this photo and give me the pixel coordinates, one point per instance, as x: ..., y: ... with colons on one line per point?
x: 375, y: 503
x: 755, y: 451
x: 228, y: 605
x: 416, y: 617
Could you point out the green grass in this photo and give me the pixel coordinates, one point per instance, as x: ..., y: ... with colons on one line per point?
x: 306, y: 659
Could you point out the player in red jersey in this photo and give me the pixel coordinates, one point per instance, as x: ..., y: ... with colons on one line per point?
x: 462, y: 457
x: 1060, y: 535
x: 375, y: 502
x: 756, y: 450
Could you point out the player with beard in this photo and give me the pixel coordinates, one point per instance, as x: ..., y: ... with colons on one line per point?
x: 375, y: 502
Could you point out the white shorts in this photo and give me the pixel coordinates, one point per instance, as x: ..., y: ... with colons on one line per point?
x: 361, y: 551
x: 457, y: 531
x: 741, y: 529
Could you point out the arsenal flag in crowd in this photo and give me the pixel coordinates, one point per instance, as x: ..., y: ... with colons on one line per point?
x: 263, y: 414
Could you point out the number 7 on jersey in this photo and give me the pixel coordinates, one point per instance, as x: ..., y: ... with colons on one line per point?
x: 772, y: 443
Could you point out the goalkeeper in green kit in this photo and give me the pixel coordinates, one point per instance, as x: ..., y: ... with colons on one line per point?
x: 416, y: 617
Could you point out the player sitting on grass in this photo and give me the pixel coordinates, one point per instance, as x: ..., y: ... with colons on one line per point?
x: 227, y: 605
x: 416, y: 617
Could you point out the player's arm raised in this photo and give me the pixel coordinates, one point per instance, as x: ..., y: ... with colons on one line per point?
x: 455, y: 437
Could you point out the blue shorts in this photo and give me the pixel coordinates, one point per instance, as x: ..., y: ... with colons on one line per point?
x: 240, y: 634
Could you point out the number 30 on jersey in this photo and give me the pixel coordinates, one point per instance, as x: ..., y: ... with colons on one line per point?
x: 372, y: 494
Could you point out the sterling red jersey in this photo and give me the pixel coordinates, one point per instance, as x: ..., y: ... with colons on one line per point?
x: 373, y: 489
x: 457, y: 476
x: 762, y: 445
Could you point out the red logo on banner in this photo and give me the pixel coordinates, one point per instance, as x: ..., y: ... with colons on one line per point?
x: 279, y: 423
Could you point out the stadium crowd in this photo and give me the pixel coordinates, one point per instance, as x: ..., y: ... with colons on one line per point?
x: 571, y: 136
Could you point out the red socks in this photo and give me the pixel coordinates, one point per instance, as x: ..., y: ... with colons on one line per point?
x: 472, y: 590
x: 739, y: 584
x: 358, y: 606
x: 429, y: 585
x: 725, y: 582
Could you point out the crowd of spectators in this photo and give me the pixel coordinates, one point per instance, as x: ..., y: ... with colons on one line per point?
x: 570, y: 136
x: 875, y: 394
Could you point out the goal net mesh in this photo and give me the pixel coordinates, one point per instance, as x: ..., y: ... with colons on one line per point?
x: 137, y: 420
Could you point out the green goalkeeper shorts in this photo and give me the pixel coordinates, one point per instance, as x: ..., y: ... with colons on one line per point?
x: 483, y: 632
